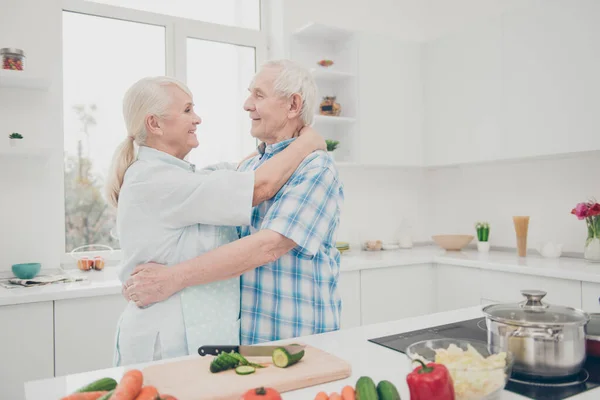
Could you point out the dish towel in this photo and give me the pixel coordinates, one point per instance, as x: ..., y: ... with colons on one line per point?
x: 40, y: 280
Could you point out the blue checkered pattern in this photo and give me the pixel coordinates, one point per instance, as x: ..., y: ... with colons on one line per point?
x: 296, y: 295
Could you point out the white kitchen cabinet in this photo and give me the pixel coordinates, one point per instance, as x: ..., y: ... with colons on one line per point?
x: 590, y: 297
x: 462, y: 83
x: 85, y: 332
x: 505, y: 287
x: 26, y: 347
x: 349, y: 287
x: 390, y: 97
x: 551, y: 80
x: 456, y: 287
x: 389, y: 294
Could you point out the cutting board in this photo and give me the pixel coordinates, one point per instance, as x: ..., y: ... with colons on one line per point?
x: 191, y: 379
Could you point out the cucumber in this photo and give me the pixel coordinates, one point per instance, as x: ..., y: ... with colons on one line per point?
x: 283, y: 359
x: 223, y: 362
x: 99, y: 386
x: 245, y: 370
x: 366, y: 389
x: 387, y: 391
x: 107, y: 395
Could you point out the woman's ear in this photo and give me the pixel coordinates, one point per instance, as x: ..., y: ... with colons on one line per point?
x: 295, y: 106
x: 153, y: 125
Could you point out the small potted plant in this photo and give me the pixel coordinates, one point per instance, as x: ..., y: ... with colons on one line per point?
x: 331, y: 146
x: 483, y: 235
x: 15, y: 138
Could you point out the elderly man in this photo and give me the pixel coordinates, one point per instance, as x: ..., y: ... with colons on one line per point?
x: 296, y: 293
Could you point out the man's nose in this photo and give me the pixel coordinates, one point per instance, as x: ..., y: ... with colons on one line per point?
x: 248, y: 105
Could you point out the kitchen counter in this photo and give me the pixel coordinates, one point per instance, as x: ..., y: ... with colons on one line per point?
x: 352, y: 345
x: 100, y: 283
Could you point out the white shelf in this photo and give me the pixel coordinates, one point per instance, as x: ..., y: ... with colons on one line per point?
x: 333, y: 120
x: 330, y: 74
x: 314, y: 31
x: 25, y: 151
x: 22, y: 80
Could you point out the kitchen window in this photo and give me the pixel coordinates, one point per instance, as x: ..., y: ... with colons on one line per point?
x: 106, y: 48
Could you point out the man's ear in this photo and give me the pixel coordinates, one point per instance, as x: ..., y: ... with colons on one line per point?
x: 153, y: 125
x: 295, y: 106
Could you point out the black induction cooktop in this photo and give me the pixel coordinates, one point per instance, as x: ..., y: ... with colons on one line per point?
x: 474, y: 329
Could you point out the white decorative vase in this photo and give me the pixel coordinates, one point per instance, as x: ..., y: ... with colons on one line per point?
x: 592, y: 250
x: 14, y: 142
x: 331, y: 154
x: 483, y: 247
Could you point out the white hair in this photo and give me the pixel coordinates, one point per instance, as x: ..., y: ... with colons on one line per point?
x: 293, y: 78
x: 148, y: 96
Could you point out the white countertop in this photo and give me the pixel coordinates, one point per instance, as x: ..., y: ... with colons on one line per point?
x: 352, y: 345
x: 100, y: 283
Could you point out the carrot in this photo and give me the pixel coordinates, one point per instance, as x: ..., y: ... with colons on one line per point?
x: 335, y: 396
x: 85, y: 396
x: 130, y: 386
x: 348, y: 393
x: 148, y: 393
x: 321, y: 396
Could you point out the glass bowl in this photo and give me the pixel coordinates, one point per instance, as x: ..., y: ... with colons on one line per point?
x: 478, y: 370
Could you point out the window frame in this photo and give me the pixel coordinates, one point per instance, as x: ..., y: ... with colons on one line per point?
x: 177, y: 30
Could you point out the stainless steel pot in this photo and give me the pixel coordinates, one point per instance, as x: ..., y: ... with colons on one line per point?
x: 546, y: 341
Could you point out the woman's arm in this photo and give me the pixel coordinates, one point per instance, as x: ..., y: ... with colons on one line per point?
x: 152, y: 283
x: 274, y: 173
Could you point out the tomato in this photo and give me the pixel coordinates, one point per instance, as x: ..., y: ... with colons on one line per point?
x: 261, y: 393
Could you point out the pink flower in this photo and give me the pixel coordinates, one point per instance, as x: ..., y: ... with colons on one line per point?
x: 581, y: 210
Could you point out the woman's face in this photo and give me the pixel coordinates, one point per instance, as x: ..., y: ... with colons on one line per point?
x: 179, y: 125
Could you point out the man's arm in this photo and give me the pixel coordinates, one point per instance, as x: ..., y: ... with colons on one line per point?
x: 151, y: 283
x: 270, y: 177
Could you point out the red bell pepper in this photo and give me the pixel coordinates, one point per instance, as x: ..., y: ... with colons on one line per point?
x: 430, y: 382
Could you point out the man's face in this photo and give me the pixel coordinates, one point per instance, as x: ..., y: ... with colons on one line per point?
x: 269, y: 112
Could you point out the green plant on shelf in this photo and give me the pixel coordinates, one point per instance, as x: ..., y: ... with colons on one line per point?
x: 332, y: 144
x: 15, y: 135
x: 483, y: 231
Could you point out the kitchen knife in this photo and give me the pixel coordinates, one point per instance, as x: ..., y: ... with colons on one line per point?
x: 250, y: 351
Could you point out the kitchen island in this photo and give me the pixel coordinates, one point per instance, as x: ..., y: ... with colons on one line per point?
x: 352, y: 345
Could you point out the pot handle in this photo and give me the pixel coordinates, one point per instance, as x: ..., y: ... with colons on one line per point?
x: 545, y: 334
x: 534, y: 299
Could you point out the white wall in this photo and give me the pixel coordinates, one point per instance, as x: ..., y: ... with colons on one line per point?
x: 31, y: 199
x: 546, y: 190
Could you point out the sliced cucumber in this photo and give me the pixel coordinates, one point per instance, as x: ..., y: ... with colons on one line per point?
x: 245, y: 370
x: 283, y: 359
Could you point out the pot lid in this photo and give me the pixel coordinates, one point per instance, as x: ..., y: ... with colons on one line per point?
x: 534, y: 312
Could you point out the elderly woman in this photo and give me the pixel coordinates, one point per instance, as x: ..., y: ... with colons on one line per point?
x: 169, y: 212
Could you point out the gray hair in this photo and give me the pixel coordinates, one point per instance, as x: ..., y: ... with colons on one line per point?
x: 148, y: 96
x: 294, y: 78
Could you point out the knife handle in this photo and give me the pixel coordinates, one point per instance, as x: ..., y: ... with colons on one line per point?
x: 216, y: 350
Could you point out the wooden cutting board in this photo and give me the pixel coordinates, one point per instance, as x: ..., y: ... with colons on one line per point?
x: 192, y: 380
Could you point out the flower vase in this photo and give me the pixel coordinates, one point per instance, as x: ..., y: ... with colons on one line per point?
x: 483, y: 247
x: 331, y: 154
x: 592, y: 249
x: 14, y: 142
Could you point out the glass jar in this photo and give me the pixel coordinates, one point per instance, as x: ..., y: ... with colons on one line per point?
x: 13, y: 59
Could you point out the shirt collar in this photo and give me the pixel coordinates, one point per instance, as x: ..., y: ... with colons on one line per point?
x: 274, y: 148
x: 149, y: 153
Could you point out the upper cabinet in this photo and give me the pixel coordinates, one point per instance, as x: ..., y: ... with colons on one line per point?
x: 463, y: 96
x: 390, y: 101
x: 525, y: 84
x: 551, y: 59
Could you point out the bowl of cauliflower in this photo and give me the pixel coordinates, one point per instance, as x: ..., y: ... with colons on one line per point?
x: 478, y: 370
